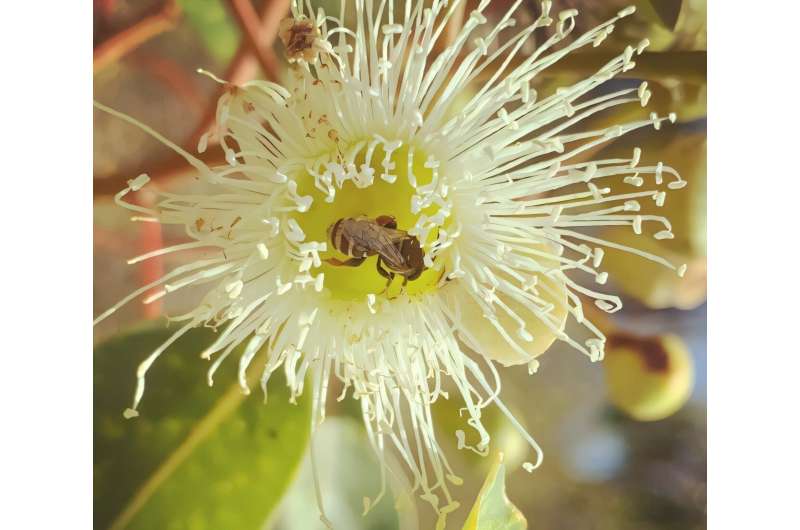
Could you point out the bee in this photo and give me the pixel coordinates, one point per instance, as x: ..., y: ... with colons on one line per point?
x: 362, y: 237
x: 300, y: 38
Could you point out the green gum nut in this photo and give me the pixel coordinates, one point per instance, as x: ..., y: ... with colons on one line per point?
x: 648, y: 378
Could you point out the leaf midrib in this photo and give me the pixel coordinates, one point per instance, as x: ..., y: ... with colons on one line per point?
x: 230, y: 401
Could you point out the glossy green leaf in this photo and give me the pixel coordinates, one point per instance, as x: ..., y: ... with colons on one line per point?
x: 214, y: 26
x: 493, y: 510
x: 196, y: 457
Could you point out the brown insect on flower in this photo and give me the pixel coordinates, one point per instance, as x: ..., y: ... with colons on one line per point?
x: 362, y: 237
x: 300, y: 38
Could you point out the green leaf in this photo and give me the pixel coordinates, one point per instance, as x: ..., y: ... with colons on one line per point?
x: 214, y: 26
x: 196, y: 457
x: 493, y: 510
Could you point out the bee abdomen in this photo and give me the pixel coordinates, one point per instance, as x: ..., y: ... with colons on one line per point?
x: 344, y: 240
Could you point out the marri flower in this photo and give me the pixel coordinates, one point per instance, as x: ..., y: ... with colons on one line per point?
x: 493, y: 189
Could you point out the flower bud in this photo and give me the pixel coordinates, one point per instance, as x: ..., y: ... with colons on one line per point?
x: 648, y: 378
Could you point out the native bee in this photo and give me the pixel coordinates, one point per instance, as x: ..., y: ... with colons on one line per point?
x: 300, y: 38
x: 362, y: 237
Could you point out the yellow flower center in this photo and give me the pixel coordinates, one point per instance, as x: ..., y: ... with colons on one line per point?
x: 381, y: 198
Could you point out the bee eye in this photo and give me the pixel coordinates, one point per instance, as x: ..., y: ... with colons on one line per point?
x: 388, y: 221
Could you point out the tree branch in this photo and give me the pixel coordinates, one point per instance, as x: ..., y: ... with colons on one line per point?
x: 271, y: 14
x: 250, y: 24
x: 452, y: 28
x: 173, y: 166
x: 172, y: 75
x: 116, y: 47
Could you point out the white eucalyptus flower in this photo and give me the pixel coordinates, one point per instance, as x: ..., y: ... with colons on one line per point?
x: 493, y: 190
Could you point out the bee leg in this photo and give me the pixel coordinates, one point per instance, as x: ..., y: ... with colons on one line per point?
x: 352, y: 262
x: 383, y: 272
x: 403, y: 286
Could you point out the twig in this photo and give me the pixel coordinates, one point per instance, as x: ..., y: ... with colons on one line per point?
x: 452, y: 29
x: 171, y: 167
x: 271, y: 14
x: 173, y: 76
x: 129, y: 39
x: 150, y: 238
x: 250, y: 24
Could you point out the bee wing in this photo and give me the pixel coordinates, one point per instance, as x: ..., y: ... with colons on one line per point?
x: 395, y: 235
x: 386, y: 239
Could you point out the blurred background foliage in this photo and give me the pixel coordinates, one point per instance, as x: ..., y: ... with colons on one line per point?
x: 624, y: 441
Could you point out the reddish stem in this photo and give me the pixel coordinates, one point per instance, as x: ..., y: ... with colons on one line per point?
x: 116, y: 47
x: 173, y: 76
x: 250, y: 24
x: 172, y: 166
x: 150, y: 239
x: 243, y: 66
